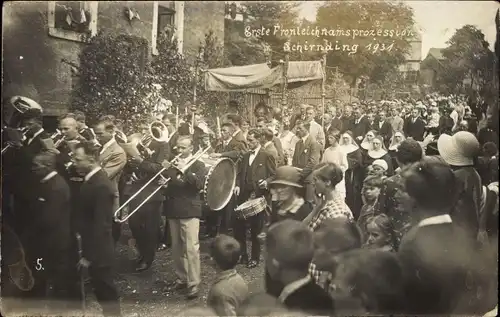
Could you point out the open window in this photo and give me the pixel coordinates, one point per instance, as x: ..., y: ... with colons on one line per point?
x: 168, y: 22
x: 72, y: 20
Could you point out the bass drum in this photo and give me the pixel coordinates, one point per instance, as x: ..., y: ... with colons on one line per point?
x: 219, y: 182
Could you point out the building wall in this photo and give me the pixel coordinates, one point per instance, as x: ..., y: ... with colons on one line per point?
x: 40, y: 74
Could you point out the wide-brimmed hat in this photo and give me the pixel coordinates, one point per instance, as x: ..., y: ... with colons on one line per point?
x: 459, y: 149
x: 287, y: 175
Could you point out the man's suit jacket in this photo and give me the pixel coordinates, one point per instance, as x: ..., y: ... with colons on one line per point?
x: 306, y: 156
x: 311, y: 299
x: 47, y: 225
x: 385, y: 130
x: 94, y: 217
x: 233, y: 150
x: 347, y: 123
x: 415, y: 130
x: 360, y: 128
x: 262, y: 168
x: 23, y: 160
x: 317, y: 133
x: 184, y: 194
x: 113, y: 160
x: 271, y: 149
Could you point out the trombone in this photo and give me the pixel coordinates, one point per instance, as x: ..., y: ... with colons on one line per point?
x: 183, y: 169
x: 57, y: 134
x: 9, y: 145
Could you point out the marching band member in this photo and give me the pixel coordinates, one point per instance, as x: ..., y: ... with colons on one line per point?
x: 256, y: 167
x: 112, y: 158
x: 36, y: 140
x: 94, y: 212
x: 145, y: 224
x: 47, y: 234
x: 183, y: 215
x: 231, y: 148
x: 86, y: 132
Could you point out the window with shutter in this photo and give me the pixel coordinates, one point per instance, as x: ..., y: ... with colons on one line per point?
x: 72, y: 20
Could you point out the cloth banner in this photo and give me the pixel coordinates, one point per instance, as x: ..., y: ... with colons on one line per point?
x: 260, y: 76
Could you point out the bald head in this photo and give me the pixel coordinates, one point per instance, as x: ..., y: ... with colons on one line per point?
x: 69, y: 128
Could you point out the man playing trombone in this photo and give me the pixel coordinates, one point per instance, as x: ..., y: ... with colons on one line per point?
x: 183, y: 212
x: 145, y: 223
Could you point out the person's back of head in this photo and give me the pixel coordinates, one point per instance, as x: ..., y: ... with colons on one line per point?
x: 409, y: 152
x: 372, y: 277
x: 225, y: 251
x: 289, y: 245
x: 333, y: 237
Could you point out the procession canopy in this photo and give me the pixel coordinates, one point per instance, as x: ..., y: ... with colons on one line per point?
x: 261, y: 76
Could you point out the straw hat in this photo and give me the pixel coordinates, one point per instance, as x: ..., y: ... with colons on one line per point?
x: 459, y: 149
x: 287, y: 175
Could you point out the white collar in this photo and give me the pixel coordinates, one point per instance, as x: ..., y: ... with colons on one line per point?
x: 436, y: 220
x: 292, y: 287
x: 35, y: 135
x: 305, y: 138
x: 256, y: 151
x: 91, y: 173
x: 236, y: 132
x: 267, y: 143
x: 48, y: 176
x: 106, y: 145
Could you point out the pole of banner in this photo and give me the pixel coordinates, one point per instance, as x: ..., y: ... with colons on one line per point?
x: 176, y: 117
x: 196, y: 71
x: 323, y: 82
x: 285, y: 79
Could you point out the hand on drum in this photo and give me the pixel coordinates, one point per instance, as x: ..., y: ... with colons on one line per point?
x: 237, y: 191
x: 215, y: 155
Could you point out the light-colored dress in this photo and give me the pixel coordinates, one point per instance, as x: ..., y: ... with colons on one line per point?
x: 334, y: 154
x: 288, y: 140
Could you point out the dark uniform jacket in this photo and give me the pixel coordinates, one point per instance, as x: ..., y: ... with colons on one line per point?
x: 233, y: 150
x: 262, y: 168
x: 147, y: 169
x: 94, y: 218
x: 183, y: 195
x: 361, y: 127
x: 48, y: 225
x: 415, y: 129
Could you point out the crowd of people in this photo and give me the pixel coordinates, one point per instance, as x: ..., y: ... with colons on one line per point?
x: 381, y: 208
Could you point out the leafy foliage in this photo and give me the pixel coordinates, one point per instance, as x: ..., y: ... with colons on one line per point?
x: 114, y: 78
x: 366, y: 15
x: 118, y: 78
x: 467, y: 57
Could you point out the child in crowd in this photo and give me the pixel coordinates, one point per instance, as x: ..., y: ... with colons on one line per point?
x: 380, y: 234
x: 370, y: 194
x: 229, y: 289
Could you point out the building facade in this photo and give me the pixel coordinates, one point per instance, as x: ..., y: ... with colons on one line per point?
x: 43, y: 39
x: 411, y: 67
